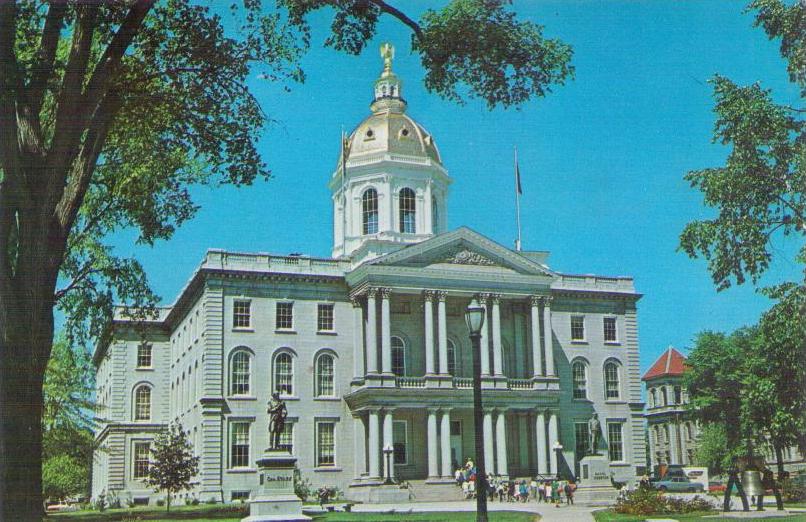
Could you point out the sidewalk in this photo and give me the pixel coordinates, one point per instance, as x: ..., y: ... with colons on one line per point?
x: 548, y: 512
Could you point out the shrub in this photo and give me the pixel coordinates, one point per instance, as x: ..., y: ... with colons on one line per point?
x: 792, y: 492
x: 302, y: 486
x: 647, y: 501
x: 160, y: 502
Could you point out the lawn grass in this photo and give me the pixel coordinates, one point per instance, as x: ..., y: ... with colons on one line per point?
x: 229, y: 513
x: 609, y: 516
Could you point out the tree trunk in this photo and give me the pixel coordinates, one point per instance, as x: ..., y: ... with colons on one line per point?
x: 26, y: 337
x: 779, y: 457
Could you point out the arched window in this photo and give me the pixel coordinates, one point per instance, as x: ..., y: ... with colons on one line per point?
x: 434, y: 215
x: 142, y: 403
x: 240, y: 373
x: 653, y: 399
x: 580, y: 380
x: 407, y: 211
x: 689, y: 431
x: 398, y: 356
x: 612, y: 384
x: 451, y: 358
x: 324, y: 376
x: 663, y: 397
x: 369, y: 212
x: 666, y: 437
x: 284, y: 374
x: 656, y: 435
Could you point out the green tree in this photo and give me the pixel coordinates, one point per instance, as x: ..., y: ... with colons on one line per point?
x: 67, y: 439
x: 715, y: 382
x: 173, y: 463
x: 760, y: 191
x: 63, y: 476
x: 712, y: 450
x: 109, y: 111
x: 776, y: 381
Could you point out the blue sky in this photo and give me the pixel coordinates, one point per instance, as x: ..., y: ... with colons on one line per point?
x: 602, y: 159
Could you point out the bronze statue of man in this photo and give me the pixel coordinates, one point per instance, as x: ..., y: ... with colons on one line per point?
x: 594, y: 434
x: 277, y: 414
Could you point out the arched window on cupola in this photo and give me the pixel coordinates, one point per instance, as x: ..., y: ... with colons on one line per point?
x: 434, y: 215
x: 407, y: 211
x: 369, y: 212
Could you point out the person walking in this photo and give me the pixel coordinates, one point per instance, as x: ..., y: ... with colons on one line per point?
x: 555, y: 493
x: 524, y: 491
x: 569, y: 493
x: 533, y: 489
x: 541, y: 492
x: 549, y: 492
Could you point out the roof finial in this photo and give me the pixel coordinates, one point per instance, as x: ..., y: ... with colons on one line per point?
x: 388, y: 54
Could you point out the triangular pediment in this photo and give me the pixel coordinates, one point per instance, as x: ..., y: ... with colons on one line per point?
x: 462, y: 249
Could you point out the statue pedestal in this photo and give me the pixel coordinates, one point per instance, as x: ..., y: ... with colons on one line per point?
x: 276, y: 499
x: 595, y: 487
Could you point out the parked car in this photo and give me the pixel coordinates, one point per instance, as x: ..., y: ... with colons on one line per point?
x: 678, y: 484
x: 716, y: 486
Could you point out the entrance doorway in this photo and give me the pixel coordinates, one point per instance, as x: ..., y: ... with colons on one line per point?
x: 456, y: 444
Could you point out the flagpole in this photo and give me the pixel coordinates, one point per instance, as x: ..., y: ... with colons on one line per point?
x: 517, y: 201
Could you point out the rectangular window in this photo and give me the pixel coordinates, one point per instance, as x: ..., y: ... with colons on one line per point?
x: 615, y: 442
x: 287, y: 437
x: 582, y: 438
x: 678, y: 395
x: 284, y: 316
x: 239, y: 445
x: 324, y: 318
x: 241, y: 314
x: 144, y: 356
x: 325, y: 444
x: 577, y: 328
x: 399, y: 442
x: 140, y: 459
x: 610, y: 330
x: 239, y: 495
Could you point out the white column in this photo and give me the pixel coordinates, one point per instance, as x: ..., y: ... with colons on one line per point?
x: 374, y: 445
x: 433, y: 445
x: 388, y: 440
x: 428, y: 304
x: 442, y: 333
x: 498, y: 368
x: 489, y: 455
x: 553, y: 437
x: 540, y: 432
x: 547, y: 337
x: 386, y: 332
x: 358, y: 338
x: 485, y: 345
x: 652, y: 446
x: 537, y: 354
x: 360, y: 446
x: 445, y: 432
x: 501, y: 443
x: 372, y: 335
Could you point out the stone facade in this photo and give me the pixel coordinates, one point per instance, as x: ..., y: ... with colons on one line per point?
x: 370, y: 349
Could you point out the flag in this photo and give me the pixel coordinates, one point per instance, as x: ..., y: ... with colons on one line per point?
x: 517, y: 175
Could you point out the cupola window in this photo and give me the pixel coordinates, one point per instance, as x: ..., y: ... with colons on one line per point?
x: 407, y: 211
x: 369, y: 212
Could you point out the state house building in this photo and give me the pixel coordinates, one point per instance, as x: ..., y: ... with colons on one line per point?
x: 369, y: 348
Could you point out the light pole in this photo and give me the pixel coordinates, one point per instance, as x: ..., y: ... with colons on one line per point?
x: 558, y: 448
x: 387, y: 451
x: 474, y: 316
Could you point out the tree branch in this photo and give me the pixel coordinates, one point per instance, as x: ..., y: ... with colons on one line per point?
x: 69, y: 126
x: 400, y: 15
x: 82, y: 275
x: 84, y: 167
x: 47, y: 55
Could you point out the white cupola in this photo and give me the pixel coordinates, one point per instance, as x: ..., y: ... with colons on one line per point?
x: 392, y: 190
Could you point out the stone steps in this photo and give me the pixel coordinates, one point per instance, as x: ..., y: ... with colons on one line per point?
x: 423, y: 492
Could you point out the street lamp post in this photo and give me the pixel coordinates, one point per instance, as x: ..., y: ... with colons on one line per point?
x: 474, y: 316
x: 558, y: 448
x: 387, y: 451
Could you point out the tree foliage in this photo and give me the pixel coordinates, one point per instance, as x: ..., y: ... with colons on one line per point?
x: 110, y: 111
x: 67, y: 438
x: 760, y: 191
x: 172, y: 464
